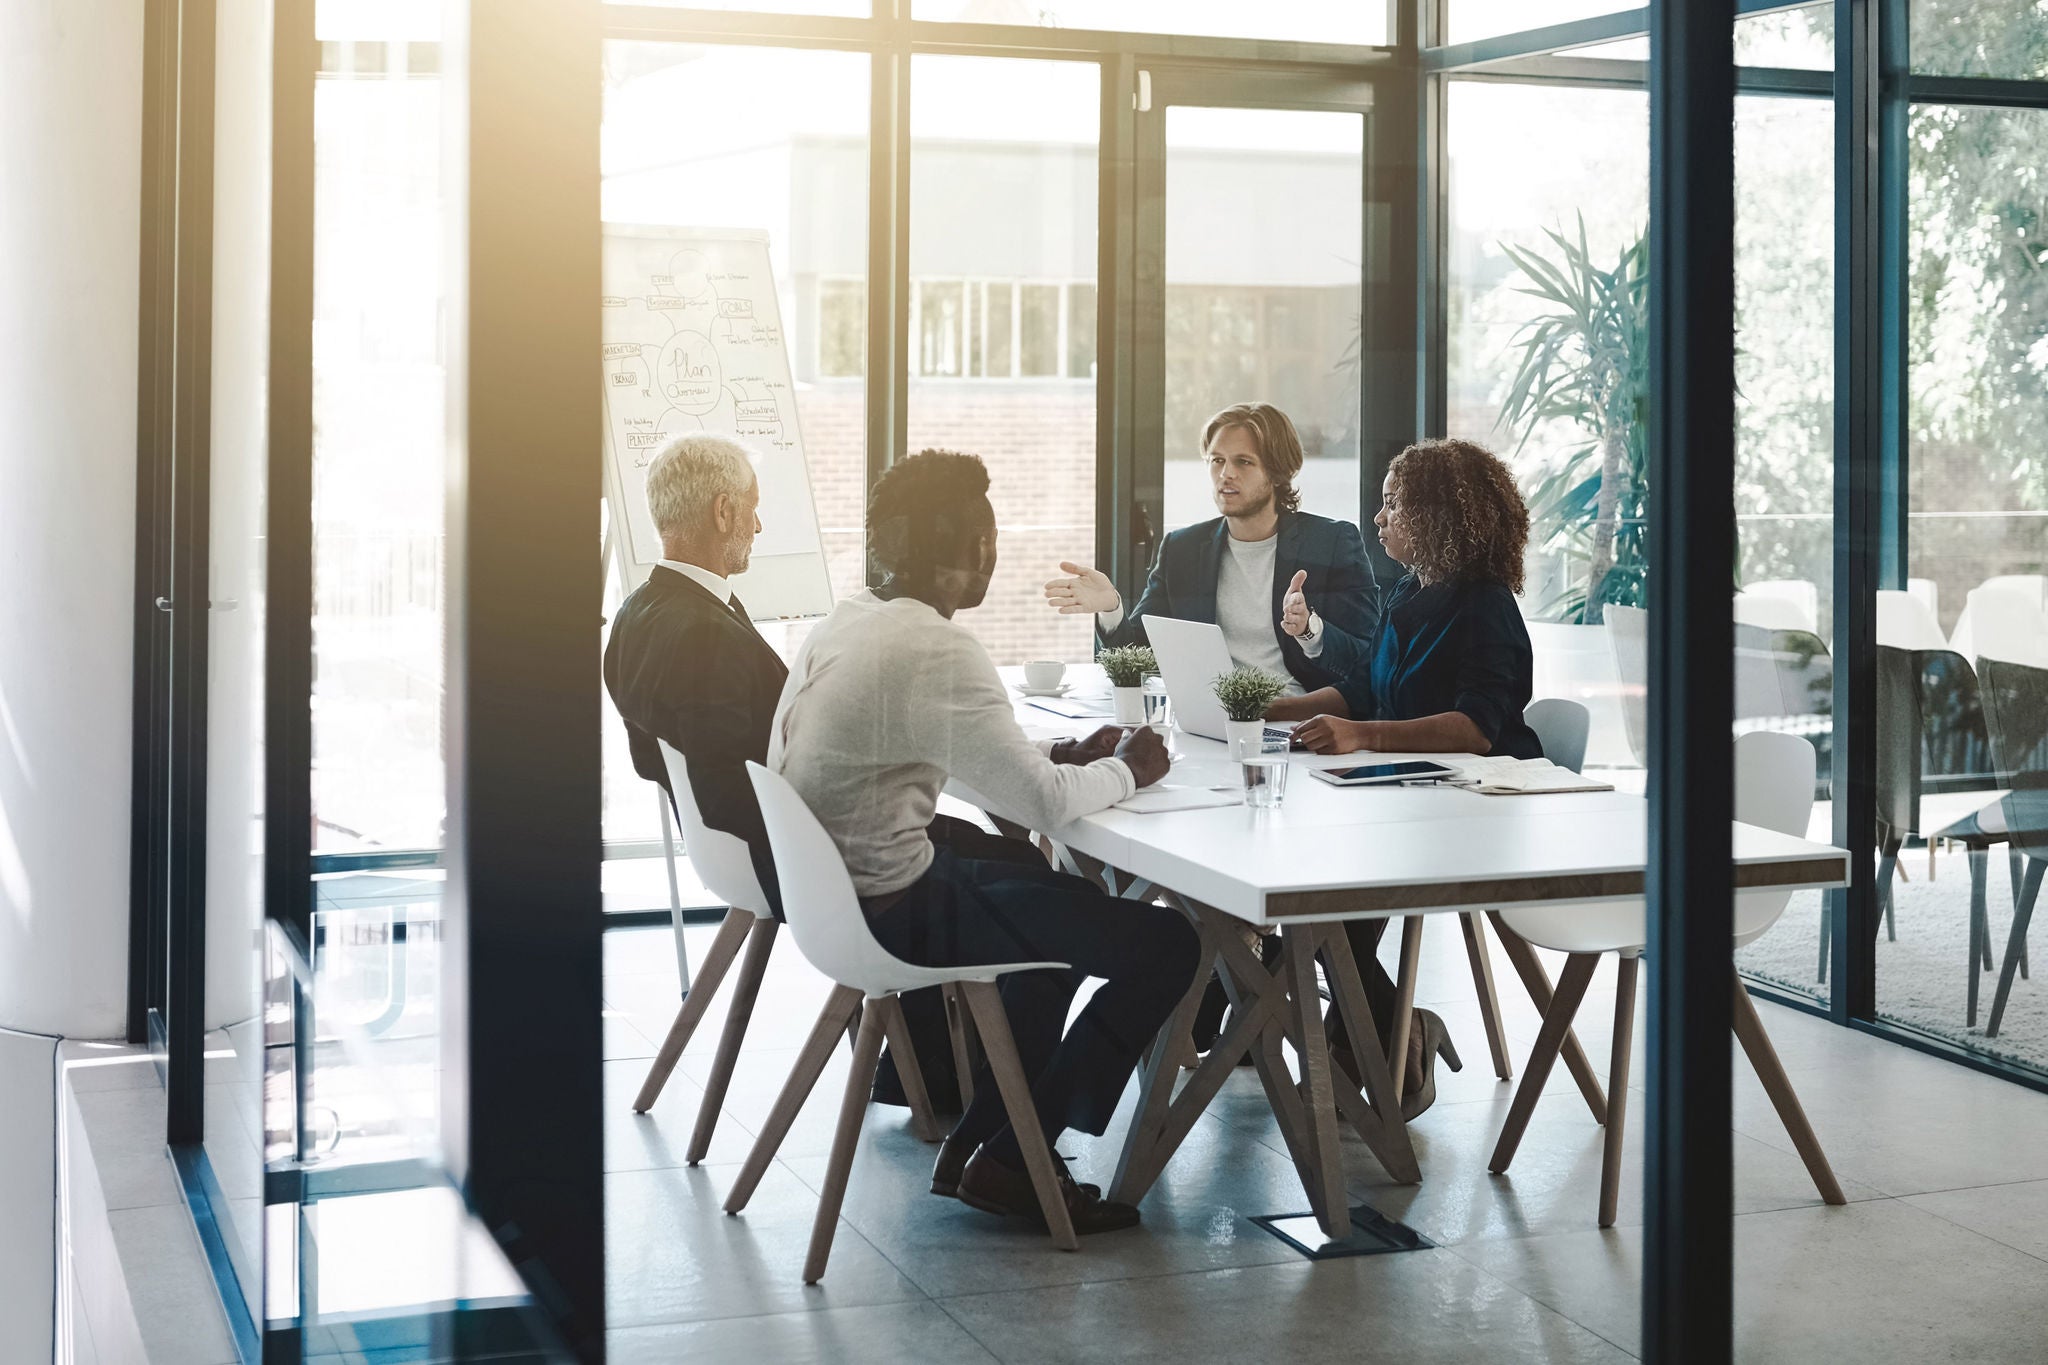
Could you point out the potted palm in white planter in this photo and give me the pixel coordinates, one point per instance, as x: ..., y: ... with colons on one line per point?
x: 1128, y: 666
x: 1246, y: 693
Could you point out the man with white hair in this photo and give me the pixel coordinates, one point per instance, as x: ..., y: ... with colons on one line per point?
x: 684, y: 662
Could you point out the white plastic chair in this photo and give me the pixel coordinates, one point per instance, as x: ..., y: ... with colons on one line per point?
x: 1774, y: 778
x: 726, y: 868
x: 1928, y: 593
x: 1776, y: 606
x: 1628, y: 635
x: 2031, y: 586
x: 1904, y: 621
x: 831, y: 931
x: 1561, y: 727
x: 2002, y: 621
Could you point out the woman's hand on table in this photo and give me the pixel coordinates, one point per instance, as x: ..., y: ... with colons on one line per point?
x: 1330, y: 735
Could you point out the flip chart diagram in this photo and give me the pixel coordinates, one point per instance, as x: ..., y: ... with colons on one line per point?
x: 693, y: 341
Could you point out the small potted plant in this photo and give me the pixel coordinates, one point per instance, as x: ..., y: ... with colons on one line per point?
x: 1246, y: 693
x: 1127, y: 667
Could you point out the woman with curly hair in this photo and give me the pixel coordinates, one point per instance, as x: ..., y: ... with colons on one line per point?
x: 1449, y: 671
x: 1450, y: 668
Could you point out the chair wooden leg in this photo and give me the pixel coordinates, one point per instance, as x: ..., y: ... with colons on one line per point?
x: 1404, y: 1002
x: 1489, y: 1000
x: 2015, y: 865
x: 923, y: 1121
x: 732, y: 931
x: 1887, y: 866
x: 859, y: 1081
x: 840, y: 1008
x: 1827, y: 939
x: 1536, y: 981
x: 1617, y: 1087
x: 1557, y: 1022
x: 960, y: 1029
x: 1749, y: 1031
x: 2016, y: 942
x: 987, y: 1005
x: 1980, y: 933
x: 760, y: 942
x: 1326, y: 1159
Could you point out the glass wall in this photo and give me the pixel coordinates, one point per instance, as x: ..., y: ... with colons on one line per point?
x: 1530, y: 230
x: 1264, y: 306
x: 1320, y: 21
x: 795, y: 165
x: 1975, y: 621
x: 1003, y: 189
x: 378, y: 403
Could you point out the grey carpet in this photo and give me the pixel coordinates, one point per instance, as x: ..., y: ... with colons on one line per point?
x: 1921, y: 978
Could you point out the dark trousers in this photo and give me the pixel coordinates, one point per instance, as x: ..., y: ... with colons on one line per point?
x: 924, y: 1012
x: 965, y: 911
x: 1381, y: 995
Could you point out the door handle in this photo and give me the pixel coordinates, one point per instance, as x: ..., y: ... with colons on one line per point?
x: 163, y: 604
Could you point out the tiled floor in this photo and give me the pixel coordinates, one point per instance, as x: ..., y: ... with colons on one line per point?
x: 1942, y: 1252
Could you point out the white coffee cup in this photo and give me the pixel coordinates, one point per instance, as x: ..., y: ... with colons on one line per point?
x: 1043, y: 675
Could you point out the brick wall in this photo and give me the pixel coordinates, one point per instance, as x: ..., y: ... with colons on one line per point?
x: 1037, y: 438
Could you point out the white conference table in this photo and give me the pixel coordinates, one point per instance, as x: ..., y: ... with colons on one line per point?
x: 1330, y: 854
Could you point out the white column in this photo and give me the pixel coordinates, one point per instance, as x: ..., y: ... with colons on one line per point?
x: 71, y: 164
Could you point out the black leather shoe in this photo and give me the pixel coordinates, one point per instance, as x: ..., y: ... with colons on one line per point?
x: 989, y: 1185
x: 954, y: 1154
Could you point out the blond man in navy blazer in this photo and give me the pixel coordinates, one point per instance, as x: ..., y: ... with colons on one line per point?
x: 1293, y: 592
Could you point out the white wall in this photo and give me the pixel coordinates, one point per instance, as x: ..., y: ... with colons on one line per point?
x: 70, y: 189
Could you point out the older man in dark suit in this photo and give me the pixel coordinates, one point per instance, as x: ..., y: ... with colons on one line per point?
x: 685, y: 664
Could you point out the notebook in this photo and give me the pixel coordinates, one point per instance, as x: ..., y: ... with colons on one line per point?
x: 1523, y: 777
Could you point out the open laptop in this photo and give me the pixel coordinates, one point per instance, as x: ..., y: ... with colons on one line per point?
x: 1191, y: 657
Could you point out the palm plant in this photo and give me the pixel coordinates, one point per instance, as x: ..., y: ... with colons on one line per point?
x: 1585, y: 361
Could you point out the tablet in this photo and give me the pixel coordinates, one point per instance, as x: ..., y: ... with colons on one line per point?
x: 1374, y: 774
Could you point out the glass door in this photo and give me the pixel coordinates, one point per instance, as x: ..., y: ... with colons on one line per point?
x: 1251, y: 265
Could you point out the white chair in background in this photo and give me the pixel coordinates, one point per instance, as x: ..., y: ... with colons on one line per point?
x: 1628, y: 635
x: 1774, y: 780
x: 1904, y: 621
x: 2031, y: 586
x: 1928, y: 592
x: 1574, y: 663
x: 2002, y: 622
x: 726, y: 868
x: 1561, y: 727
x: 831, y: 931
x: 1780, y: 604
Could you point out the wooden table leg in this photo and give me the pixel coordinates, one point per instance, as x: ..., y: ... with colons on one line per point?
x: 1381, y: 1127
x: 1617, y: 1090
x: 1155, y: 1084
x: 1326, y: 1188
x: 1537, y: 982
x: 1404, y: 1003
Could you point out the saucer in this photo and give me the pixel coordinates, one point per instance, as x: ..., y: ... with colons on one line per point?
x: 1030, y: 691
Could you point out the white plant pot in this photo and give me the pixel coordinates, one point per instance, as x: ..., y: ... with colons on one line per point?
x: 1130, y: 705
x: 1246, y: 738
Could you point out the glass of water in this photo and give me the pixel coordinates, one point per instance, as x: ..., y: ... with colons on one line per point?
x: 1158, y: 713
x: 1265, y: 774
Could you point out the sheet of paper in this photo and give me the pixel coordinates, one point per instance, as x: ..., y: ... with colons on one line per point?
x: 1155, y: 801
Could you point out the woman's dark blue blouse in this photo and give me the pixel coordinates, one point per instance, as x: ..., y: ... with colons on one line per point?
x: 1457, y: 646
